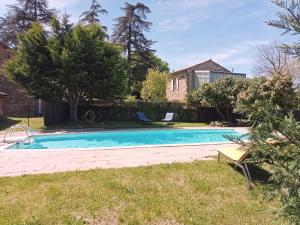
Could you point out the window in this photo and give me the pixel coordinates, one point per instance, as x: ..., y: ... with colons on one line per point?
x: 175, y: 84
x: 200, y: 78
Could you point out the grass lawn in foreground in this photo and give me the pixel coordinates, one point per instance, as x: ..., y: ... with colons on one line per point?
x: 191, y: 193
x: 38, y: 124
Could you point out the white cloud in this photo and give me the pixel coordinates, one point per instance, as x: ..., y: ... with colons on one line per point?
x: 181, y: 23
x: 180, y: 15
x: 187, y: 4
x: 237, y: 55
x: 62, y: 4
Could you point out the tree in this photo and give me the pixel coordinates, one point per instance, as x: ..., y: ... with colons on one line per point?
x: 278, y: 90
x: 272, y: 59
x: 139, y: 69
x: 74, y: 66
x: 20, y: 17
x: 261, y: 107
x: 221, y: 94
x: 154, y: 87
x: 282, y: 157
x: 93, y: 14
x: 129, y: 33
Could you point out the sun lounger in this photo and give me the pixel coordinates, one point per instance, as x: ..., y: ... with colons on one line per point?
x: 141, y: 116
x: 169, y: 117
x: 238, y: 156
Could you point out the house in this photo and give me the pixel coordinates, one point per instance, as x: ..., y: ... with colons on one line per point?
x: 182, y: 81
x: 19, y: 103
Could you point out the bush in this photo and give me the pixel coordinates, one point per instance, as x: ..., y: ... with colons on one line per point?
x: 154, y: 87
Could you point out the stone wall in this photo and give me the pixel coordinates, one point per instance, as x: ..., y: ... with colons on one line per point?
x: 177, y: 95
x: 18, y: 103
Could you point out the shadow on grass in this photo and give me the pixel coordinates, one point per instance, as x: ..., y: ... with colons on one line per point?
x: 258, y: 174
x: 7, y: 122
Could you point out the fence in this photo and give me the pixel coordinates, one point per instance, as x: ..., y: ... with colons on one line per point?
x: 56, y: 113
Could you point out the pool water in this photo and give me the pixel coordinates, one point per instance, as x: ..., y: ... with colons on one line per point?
x: 127, y: 139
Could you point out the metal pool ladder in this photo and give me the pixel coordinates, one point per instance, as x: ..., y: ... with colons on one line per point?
x: 27, y: 139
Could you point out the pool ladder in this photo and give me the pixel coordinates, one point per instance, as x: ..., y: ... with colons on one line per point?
x: 27, y: 139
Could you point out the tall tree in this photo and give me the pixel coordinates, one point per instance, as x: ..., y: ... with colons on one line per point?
x: 129, y: 30
x: 20, y: 17
x: 129, y: 33
x: 93, y: 14
x: 74, y: 66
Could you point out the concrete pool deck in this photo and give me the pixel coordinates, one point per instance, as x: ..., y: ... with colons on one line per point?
x: 25, y: 162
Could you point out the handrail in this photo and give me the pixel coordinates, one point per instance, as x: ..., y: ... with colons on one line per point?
x: 26, y: 129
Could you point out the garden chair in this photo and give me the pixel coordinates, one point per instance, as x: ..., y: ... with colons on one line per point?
x: 169, y: 117
x: 238, y: 156
x: 141, y: 116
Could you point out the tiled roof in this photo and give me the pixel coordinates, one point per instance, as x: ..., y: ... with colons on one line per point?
x: 209, y: 65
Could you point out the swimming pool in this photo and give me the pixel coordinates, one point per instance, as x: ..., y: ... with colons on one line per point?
x: 132, y: 138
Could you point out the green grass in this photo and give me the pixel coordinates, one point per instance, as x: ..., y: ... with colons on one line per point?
x: 192, y: 193
x: 38, y: 124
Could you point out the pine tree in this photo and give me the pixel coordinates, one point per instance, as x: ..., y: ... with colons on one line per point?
x: 129, y: 30
x: 93, y: 14
x: 20, y: 17
x: 129, y: 33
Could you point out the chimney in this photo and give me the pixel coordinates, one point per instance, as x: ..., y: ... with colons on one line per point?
x: 232, y: 70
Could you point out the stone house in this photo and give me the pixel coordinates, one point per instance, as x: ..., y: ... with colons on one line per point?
x: 182, y: 81
x: 19, y: 103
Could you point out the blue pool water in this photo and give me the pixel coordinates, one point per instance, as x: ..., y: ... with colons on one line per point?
x: 127, y: 139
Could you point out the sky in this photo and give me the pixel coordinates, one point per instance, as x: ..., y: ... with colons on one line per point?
x: 188, y: 32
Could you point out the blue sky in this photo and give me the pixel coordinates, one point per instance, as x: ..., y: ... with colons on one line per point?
x: 190, y: 31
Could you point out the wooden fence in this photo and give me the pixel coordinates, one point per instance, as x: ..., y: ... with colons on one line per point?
x: 56, y: 113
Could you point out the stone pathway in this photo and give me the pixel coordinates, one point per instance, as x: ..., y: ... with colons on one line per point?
x: 14, y: 163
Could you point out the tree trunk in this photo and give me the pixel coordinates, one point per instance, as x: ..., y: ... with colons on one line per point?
x: 73, y: 109
x: 129, y: 44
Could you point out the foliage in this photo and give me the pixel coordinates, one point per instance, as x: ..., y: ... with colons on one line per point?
x: 266, y: 103
x: 283, y: 155
x: 73, y: 65
x: 277, y: 90
x: 93, y: 14
x: 20, y: 17
x: 221, y: 94
x: 272, y: 59
x: 129, y: 33
x: 139, y: 69
x: 154, y: 87
x: 194, y: 98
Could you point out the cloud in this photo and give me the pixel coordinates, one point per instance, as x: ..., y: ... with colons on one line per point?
x: 63, y: 4
x: 181, y: 23
x: 187, y: 4
x: 181, y: 15
x: 236, y: 55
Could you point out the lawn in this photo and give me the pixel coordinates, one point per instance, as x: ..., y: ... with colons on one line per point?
x: 38, y: 124
x: 191, y: 193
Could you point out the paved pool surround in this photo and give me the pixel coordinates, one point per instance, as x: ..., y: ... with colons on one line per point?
x: 22, y: 162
